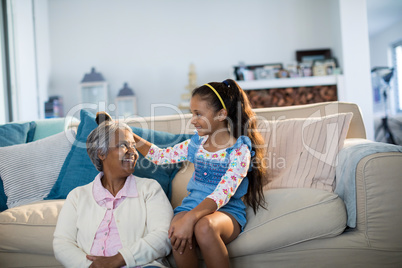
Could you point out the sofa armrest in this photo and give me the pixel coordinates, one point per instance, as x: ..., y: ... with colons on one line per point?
x: 379, y: 199
x: 369, y: 172
x: 355, y: 141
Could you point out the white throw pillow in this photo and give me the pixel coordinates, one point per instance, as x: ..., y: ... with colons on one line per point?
x: 302, y: 152
x: 29, y: 170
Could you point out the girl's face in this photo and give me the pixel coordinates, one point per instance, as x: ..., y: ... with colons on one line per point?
x: 122, y: 155
x: 204, y: 119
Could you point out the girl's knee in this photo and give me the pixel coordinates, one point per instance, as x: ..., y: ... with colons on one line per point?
x: 204, y: 231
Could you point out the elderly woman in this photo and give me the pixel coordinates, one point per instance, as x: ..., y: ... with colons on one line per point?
x: 118, y: 219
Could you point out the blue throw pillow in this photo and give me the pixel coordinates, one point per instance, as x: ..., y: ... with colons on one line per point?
x: 3, y: 197
x: 12, y: 134
x: 78, y: 169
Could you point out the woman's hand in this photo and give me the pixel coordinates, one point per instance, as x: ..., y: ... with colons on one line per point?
x: 106, y: 262
x: 181, y: 232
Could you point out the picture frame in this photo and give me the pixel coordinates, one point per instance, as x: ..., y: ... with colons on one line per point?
x: 260, y: 71
x: 324, y: 67
x: 319, y: 68
x: 283, y: 73
x: 330, y: 65
x: 306, y: 68
x: 293, y: 69
x: 311, y: 55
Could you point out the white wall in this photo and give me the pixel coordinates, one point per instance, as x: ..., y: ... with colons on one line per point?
x: 356, y: 60
x: 150, y: 44
x: 335, y: 24
x: 380, y: 44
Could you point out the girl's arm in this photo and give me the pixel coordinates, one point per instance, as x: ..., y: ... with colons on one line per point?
x: 158, y: 156
x: 177, y: 153
x: 238, y: 168
x: 142, y: 145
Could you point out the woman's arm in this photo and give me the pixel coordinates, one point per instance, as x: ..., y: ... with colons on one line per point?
x: 155, y: 244
x: 65, y: 245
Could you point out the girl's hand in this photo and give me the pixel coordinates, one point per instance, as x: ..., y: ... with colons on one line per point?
x: 106, y: 262
x: 181, y: 233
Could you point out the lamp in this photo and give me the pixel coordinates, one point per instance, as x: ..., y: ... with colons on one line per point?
x: 192, y: 83
x: 126, y: 102
x: 94, y: 88
x: 385, y: 73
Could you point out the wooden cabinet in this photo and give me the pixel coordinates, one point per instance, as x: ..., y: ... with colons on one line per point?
x: 292, y: 91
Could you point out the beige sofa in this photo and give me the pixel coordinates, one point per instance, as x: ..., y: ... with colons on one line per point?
x: 300, y: 227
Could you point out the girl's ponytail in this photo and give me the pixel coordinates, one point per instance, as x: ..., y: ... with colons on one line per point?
x: 248, y: 127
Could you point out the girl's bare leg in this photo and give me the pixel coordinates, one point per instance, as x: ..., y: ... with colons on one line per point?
x: 212, y: 233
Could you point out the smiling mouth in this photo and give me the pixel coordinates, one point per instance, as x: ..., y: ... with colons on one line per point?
x: 129, y: 161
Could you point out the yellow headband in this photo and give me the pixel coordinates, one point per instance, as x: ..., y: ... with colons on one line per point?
x: 217, y: 94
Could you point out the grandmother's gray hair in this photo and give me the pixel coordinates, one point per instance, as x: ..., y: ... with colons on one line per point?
x: 99, y: 139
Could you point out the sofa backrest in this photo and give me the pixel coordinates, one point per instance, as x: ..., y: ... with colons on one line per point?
x: 180, y: 123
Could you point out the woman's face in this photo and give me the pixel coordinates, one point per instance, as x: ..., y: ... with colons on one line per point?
x: 122, y: 155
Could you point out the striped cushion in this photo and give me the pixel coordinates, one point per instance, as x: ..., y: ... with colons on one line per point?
x: 302, y: 153
x: 29, y: 170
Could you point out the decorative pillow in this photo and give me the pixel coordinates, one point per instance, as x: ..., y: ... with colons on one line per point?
x: 12, y: 134
x: 3, y: 197
x: 50, y: 126
x: 29, y: 170
x: 302, y: 153
x: 78, y: 169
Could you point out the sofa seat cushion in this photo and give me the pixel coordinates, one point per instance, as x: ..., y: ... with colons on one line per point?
x: 29, y: 228
x: 292, y: 216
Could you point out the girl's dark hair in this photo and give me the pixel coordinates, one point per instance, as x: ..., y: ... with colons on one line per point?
x: 241, y: 121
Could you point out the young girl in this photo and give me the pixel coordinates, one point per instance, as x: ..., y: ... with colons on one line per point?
x: 226, y: 143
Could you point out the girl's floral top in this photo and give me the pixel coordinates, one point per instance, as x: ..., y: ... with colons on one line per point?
x: 239, y: 161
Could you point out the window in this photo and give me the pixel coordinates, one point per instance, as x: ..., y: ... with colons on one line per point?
x: 397, y: 58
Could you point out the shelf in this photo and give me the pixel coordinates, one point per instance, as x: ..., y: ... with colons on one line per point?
x: 291, y: 82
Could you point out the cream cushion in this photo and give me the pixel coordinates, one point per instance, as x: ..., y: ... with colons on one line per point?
x: 292, y: 216
x: 302, y: 153
x: 179, y: 183
x: 29, y: 228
